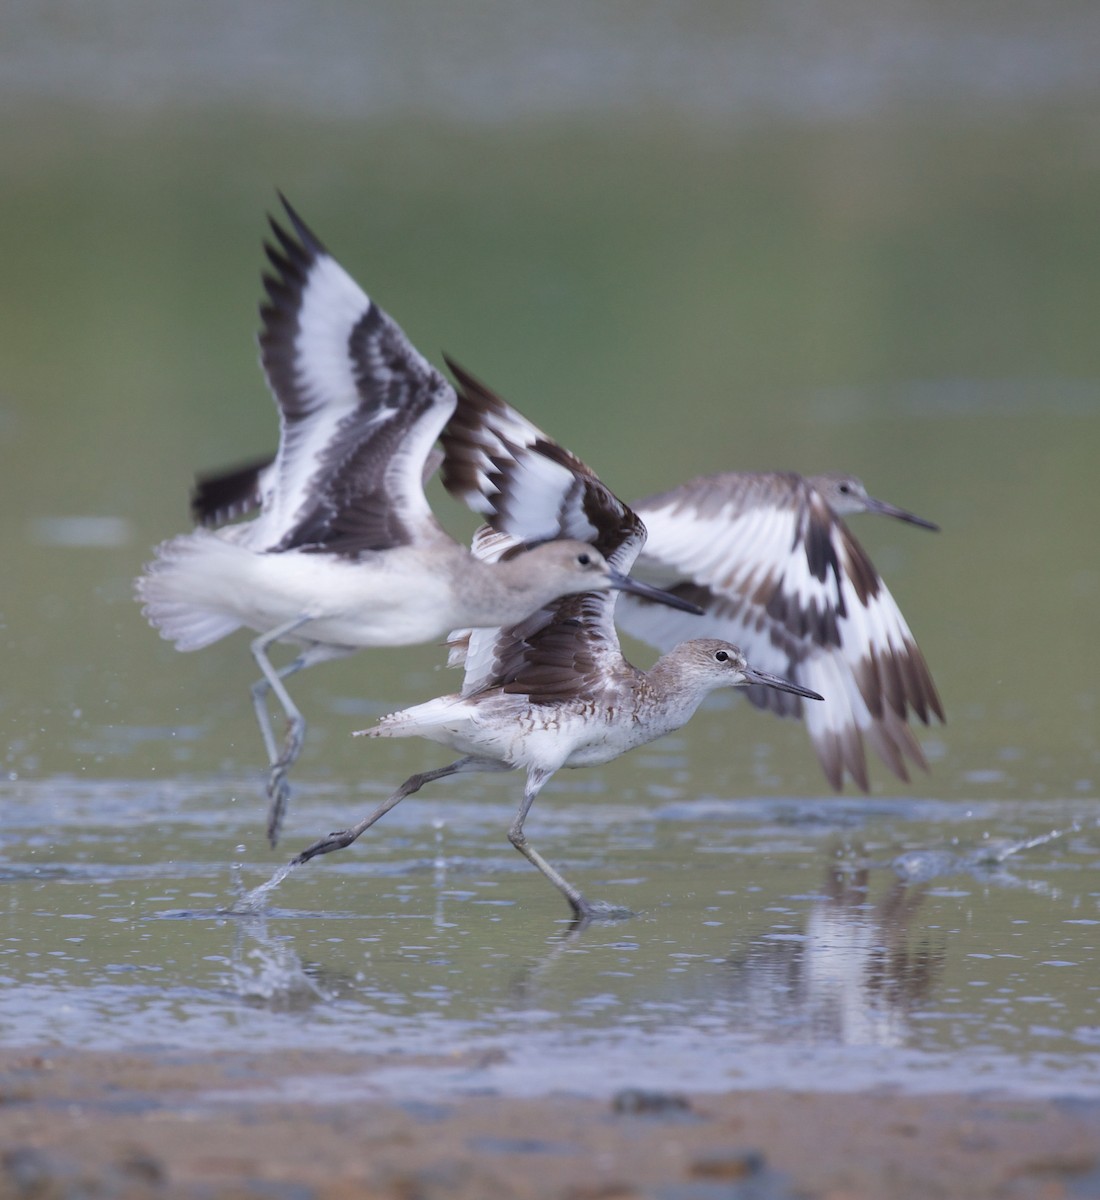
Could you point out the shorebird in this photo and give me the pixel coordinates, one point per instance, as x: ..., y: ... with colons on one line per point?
x: 554, y: 690
x: 771, y: 562
x: 344, y: 552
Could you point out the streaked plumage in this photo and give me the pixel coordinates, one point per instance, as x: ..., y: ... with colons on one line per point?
x: 776, y: 570
x: 344, y: 551
x: 554, y: 690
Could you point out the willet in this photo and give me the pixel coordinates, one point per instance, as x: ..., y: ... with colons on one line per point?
x: 770, y: 560
x: 345, y: 551
x: 554, y: 690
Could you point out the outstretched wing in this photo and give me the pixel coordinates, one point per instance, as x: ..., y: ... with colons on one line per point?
x: 359, y: 408
x: 532, y: 490
x: 525, y: 484
x: 220, y: 496
x: 778, y: 573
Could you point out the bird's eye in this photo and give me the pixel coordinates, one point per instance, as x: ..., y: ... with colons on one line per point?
x: 721, y: 656
x: 585, y: 560
x: 844, y: 489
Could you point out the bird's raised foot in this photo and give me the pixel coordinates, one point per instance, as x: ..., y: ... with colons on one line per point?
x: 278, y: 794
x: 278, y: 787
x: 339, y: 839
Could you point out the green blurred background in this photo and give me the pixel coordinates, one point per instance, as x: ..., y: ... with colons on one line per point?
x: 681, y: 237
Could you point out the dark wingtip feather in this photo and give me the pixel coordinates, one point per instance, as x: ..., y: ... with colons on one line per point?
x: 895, y: 743
x: 461, y: 374
x: 220, y: 496
x: 308, y: 238
x: 475, y: 395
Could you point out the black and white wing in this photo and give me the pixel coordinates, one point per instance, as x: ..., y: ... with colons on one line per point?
x: 360, y: 409
x: 504, y: 467
x: 531, y: 490
x: 220, y: 496
x: 778, y: 573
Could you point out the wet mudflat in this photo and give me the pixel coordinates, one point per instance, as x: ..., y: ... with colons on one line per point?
x: 76, y: 1124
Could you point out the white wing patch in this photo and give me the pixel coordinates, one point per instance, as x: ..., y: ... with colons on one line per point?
x: 332, y: 304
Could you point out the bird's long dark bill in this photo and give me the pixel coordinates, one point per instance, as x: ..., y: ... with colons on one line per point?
x: 782, y: 685
x: 624, y: 583
x: 891, y: 510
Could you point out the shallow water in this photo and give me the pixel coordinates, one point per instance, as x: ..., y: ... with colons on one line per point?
x: 927, y: 945
x: 783, y: 258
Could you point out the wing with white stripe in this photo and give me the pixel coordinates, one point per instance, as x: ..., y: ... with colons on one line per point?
x: 221, y: 496
x: 532, y: 490
x: 504, y: 467
x: 360, y: 408
x: 779, y: 574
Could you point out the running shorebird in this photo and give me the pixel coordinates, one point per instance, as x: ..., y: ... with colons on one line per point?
x: 775, y: 569
x: 345, y: 551
x: 554, y: 690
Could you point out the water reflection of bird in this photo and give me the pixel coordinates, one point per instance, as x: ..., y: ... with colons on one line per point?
x: 854, y: 974
x: 857, y: 971
x: 345, y: 551
x: 552, y: 691
x: 775, y: 569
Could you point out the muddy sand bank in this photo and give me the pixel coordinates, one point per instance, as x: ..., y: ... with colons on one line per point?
x: 83, y: 1124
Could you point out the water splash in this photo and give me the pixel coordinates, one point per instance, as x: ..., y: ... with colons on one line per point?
x: 253, y: 902
x: 266, y: 970
x: 920, y: 866
x: 998, y: 852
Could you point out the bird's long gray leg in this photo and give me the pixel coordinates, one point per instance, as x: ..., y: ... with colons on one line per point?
x: 280, y: 761
x: 260, y: 690
x: 278, y: 787
x: 535, y: 781
x: 583, y: 910
x: 342, y: 838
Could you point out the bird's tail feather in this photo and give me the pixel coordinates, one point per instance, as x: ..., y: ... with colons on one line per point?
x: 176, y: 589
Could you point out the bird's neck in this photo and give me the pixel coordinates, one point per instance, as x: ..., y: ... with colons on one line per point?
x: 670, y: 694
x: 499, y: 593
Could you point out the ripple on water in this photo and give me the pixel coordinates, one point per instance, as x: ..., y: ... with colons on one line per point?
x: 918, y: 944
